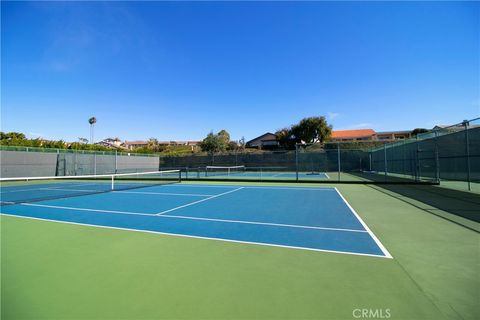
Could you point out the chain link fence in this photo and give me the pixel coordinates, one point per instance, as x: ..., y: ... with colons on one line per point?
x: 449, y: 156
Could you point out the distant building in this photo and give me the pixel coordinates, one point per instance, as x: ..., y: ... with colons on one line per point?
x: 130, y: 145
x: 265, y: 141
x: 110, y: 143
x: 394, y: 135
x: 180, y: 143
x: 353, y: 135
x: 441, y: 126
x: 369, y: 134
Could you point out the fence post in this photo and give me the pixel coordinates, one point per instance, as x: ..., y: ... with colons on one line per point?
x: 338, y: 160
x: 296, y: 161
x: 417, y: 161
x: 437, y: 159
x: 467, y: 150
x: 370, y: 161
x: 404, y: 158
x: 116, y: 161
x: 385, y: 160
x: 95, y: 163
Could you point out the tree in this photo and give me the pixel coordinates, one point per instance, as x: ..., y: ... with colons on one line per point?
x: 417, y: 131
x: 216, y: 142
x: 241, y: 143
x: 83, y: 140
x: 312, y: 130
x: 232, y: 146
x: 224, y: 138
x: 12, y: 136
x: 152, y: 144
x: 211, y: 143
x: 285, y: 138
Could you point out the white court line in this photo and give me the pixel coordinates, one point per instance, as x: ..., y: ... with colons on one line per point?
x: 198, y: 237
x: 167, y: 193
x: 264, y: 223
x: 194, y: 218
x: 275, y: 175
x: 36, y: 189
x: 380, y: 245
x: 326, y: 175
x: 195, y: 202
x: 86, y: 209
x: 314, y: 188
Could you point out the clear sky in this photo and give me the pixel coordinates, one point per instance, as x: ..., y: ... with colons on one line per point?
x: 177, y: 70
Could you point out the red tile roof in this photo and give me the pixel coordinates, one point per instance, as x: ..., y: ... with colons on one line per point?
x: 348, y: 134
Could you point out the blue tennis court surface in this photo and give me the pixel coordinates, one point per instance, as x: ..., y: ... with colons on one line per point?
x: 295, y: 217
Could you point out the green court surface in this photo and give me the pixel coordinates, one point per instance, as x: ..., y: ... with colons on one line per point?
x: 63, y: 271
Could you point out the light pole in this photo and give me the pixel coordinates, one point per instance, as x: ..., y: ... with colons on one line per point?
x: 92, y: 122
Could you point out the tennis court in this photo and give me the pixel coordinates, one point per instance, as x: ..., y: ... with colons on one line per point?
x: 231, y: 241
x: 295, y: 217
x: 277, y: 249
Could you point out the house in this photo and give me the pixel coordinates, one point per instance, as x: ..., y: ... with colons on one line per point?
x: 265, y: 141
x: 179, y: 143
x: 353, y: 135
x: 110, y: 143
x: 394, y: 135
x: 130, y: 145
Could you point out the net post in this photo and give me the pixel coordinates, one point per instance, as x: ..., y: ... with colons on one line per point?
x: 113, y: 184
x: 467, y: 153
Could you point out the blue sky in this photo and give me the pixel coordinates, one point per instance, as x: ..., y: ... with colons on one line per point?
x: 177, y: 70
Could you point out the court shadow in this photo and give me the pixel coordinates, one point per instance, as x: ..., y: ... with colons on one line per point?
x: 435, y: 199
x: 440, y: 201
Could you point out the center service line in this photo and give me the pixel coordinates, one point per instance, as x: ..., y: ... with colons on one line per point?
x: 195, y: 202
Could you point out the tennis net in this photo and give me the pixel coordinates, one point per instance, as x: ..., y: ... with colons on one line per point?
x: 211, y: 171
x: 30, y: 189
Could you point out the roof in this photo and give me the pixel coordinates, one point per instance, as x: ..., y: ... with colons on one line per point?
x: 136, y: 142
x: 345, y: 134
x: 261, y: 137
x: 393, y: 132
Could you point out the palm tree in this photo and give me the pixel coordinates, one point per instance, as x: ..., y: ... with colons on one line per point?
x: 92, y: 122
